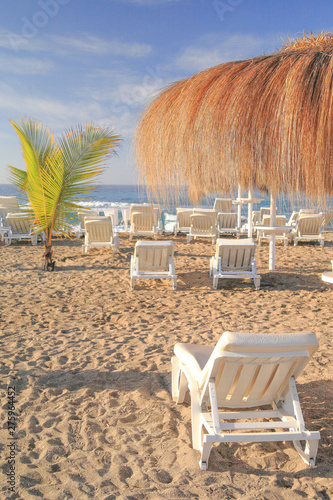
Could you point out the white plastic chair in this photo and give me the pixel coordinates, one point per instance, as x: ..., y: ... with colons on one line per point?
x: 113, y: 213
x: 234, y: 260
x: 227, y: 224
x: 202, y: 226
x: 80, y: 230
x: 99, y: 233
x: 229, y: 383
x: 222, y: 204
x: 153, y: 259
x: 308, y: 228
x: 21, y: 228
x: 144, y: 220
x: 183, y: 222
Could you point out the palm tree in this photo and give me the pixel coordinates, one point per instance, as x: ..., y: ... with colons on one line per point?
x: 58, y: 172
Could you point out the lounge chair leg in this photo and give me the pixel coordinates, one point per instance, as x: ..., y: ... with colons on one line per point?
x: 206, y: 447
x: 132, y: 284
x: 179, y: 382
x: 309, y: 454
x: 196, y: 421
x: 215, y: 281
x: 257, y: 283
x: 174, y: 283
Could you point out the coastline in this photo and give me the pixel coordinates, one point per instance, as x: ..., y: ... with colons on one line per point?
x: 90, y: 362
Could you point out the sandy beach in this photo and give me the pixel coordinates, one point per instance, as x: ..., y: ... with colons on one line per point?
x: 90, y: 363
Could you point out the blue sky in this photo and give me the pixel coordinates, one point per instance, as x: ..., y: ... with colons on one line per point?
x: 65, y: 62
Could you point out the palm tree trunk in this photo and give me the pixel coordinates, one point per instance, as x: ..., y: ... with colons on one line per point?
x: 49, y: 263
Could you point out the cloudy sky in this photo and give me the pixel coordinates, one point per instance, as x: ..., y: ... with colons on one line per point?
x: 65, y: 62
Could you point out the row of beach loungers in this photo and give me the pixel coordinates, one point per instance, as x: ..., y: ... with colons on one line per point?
x: 242, y: 372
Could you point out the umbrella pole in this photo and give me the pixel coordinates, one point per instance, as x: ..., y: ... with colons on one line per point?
x: 249, y: 216
x: 239, y: 208
x: 272, y: 236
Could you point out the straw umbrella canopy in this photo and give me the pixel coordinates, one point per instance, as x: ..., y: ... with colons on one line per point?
x: 264, y: 123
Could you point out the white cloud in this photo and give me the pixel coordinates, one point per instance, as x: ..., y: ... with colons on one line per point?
x: 73, y: 45
x: 24, y: 66
x: 211, y: 50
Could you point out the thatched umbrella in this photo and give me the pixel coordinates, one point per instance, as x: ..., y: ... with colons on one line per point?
x: 264, y: 123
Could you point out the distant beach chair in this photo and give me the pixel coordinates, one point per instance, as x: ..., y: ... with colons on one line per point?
x: 20, y: 228
x: 99, y: 233
x: 229, y: 383
x: 264, y: 211
x: 326, y: 223
x: 183, y: 222
x: 234, y: 260
x: 222, y: 204
x: 202, y: 226
x: 144, y: 219
x: 113, y: 213
x: 153, y: 259
x: 80, y: 230
x: 293, y: 219
x: 10, y: 203
x: 206, y: 211
x: 227, y: 224
x: 308, y: 228
x: 281, y: 220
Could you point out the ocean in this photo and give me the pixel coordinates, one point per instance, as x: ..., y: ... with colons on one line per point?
x: 121, y: 196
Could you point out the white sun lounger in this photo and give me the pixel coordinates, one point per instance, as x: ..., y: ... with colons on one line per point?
x: 80, y: 231
x: 153, y: 259
x: 241, y: 374
x: 10, y: 203
x: 234, y: 259
x: 326, y: 222
x: 308, y: 228
x: 202, y: 226
x: 99, y: 233
x: 227, y: 224
x: 20, y: 228
x: 183, y: 222
x: 222, y: 204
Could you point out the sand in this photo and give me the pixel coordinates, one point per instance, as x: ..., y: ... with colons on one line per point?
x: 90, y: 362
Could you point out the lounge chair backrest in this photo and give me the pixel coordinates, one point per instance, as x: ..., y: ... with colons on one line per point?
x: 309, y: 224
x: 227, y: 220
x: 143, y: 221
x: 98, y: 230
x: 256, y: 216
x: 264, y: 211
x: 326, y: 218
x: 222, y: 204
x: 9, y: 202
x: 201, y: 222
x: 255, y: 369
x: 89, y: 213
x: 153, y: 256
x: 183, y: 217
x: 141, y: 207
x: 113, y: 213
x: 281, y: 220
x: 206, y: 211
x: 19, y: 223
x: 235, y: 255
x: 3, y: 215
x: 308, y: 211
x: 293, y: 218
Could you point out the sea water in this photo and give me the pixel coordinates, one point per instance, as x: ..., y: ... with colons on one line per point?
x: 121, y: 196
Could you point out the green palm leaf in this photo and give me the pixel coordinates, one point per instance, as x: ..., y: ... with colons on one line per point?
x: 59, y: 172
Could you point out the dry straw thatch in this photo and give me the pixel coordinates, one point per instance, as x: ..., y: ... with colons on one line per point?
x: 265, y: 122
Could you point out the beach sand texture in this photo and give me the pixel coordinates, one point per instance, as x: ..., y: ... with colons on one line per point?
x: 90, y: 361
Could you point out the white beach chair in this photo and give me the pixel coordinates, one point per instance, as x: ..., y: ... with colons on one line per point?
x: 80, y: 230
x: 227, y: 224
x: 99, y: 233
x: 264, y: 211
x: 308, y: 227
x: 154, y: 259
x: 206, y: 211
x: 234, y: 260
x: 10, y: 203
x: 293, y: 219
x: 113, y: 213
x: 183, y: 223
x: 144, y: 220
x: 240, y: 375
x: 326, y: 222
x: 281, y: 220
x: 20, y: 228
x: 222, y: 204
x: 202, y: 226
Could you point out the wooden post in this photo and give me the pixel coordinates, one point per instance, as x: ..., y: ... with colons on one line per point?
x: 272, y: 236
